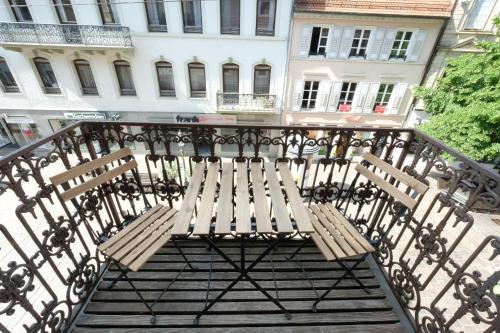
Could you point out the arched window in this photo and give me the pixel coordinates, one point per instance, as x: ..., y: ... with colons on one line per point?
x: 197, y: 81
x: 165, y: 78
x: 7, y: 81
x: 47, y: 76
x: 230, y: 78
x: 85, y: 77
x: 124, y: 76
x: 261, y: 79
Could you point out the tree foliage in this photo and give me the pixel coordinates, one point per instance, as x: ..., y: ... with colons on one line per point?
x: 465, y: 104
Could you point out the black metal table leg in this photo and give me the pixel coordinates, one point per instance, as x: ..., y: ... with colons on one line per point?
x: 243, y: 274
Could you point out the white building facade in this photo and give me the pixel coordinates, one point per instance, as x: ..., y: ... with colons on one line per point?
x: 353, y: 64
x: 218, y: 61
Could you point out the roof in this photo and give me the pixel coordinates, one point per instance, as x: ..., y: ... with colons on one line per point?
x: 423, y: 8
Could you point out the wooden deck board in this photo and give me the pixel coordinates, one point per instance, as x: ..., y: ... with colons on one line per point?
x: 347, y: 309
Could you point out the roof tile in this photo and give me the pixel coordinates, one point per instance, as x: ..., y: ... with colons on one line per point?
x: 425, y: 8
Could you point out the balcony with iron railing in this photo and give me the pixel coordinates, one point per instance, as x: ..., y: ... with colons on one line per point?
x: 236, y: 102
x: 441, y: 265
x: 64, y: 35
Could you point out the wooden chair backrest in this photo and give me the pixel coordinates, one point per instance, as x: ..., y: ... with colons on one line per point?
x: 96, y: 164
x: 397, y: 174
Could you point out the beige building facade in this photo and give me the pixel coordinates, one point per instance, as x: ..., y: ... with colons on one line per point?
x: 357, y: 66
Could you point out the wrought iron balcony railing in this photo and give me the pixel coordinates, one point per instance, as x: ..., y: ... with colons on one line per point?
x: 95, y: 36
x: 441, y: 266
x: 245, y: 102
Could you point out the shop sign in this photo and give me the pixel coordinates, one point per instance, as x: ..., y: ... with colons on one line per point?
x: 18, y: 119
x: 85, y: 115
x: 201, y: 118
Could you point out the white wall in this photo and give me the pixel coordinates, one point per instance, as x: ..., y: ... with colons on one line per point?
x: 210, y: 48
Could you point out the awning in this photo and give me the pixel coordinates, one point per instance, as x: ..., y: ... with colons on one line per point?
x: 13, y: 119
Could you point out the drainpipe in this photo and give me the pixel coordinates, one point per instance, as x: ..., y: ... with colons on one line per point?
x: 431, y: 58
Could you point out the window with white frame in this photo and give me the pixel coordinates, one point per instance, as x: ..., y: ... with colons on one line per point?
x: 191, y: 15
x: 479, y: 14
x: 47, y: 76
x: 124, y: 76
x: 359, y: 43
x: 310, y: 94
x: 400, y: 45
x: 383, y: 97
x: 319, y: 39
x: 107, y: 12
x: 155, y: 12
x: 262, y: 79
x: 20, y: 10
x: 230, y: 17
x: 346, y: 96
x: 197, y: 81
x: 266, y: 17
x: 7, y: 81
x: 85, y: 76
x: 65, y: 11
x: 165, y: 76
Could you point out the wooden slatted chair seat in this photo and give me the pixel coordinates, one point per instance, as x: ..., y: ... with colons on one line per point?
x: 138, y: 241
x: 335, y: 237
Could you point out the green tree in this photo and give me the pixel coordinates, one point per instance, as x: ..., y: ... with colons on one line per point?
x: 465, y: 104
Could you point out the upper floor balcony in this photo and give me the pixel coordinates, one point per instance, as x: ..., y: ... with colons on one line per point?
x: 439, y: 259
x: 236, y: 102
x: 64, y: 35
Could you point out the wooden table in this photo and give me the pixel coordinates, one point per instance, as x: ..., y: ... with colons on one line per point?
x: 241, y: 201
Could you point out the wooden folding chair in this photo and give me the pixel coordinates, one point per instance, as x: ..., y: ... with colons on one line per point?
x: 338, y: 239
x: 132, y: 246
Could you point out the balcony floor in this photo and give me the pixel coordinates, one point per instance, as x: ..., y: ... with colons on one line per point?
x: 348, y: 309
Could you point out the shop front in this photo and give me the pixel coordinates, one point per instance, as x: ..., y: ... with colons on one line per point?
x: 19, y: 128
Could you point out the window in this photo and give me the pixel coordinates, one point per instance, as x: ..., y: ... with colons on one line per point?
x: 266, y: 15
x: 230, y: 78
x: 124, y: 75
x: 8, y: 83
x: 346, y: 96
x: 85, y: 76
x: 47, y: 76
x: 400, y: 45
x: 310, y: 94
x: 479, y: 14
x: 319, y: 39
x: 165, y: 78
x: 191, y: 15
x: 65, y: 11
x: 383, y: 97
x: 230, y: 17
x: 20, y: 10
x: 359, y: 43
x: 262, y: 79
x: 197, y: 79
x: 106, y: 11
x: 155, y: 11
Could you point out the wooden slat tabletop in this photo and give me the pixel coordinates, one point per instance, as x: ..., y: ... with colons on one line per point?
x: 230, y: 195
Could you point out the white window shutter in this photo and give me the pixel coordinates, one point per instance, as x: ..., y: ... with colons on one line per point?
x: 416, y: 45
x: 375, y: 44
x: 335, y: 39
x: 371, y: 98
x: 298, y: 93
x: 397, y: 98
x: 385, y: 51
x: 334, y: 96
x: 305, y: 40
x: 346, y: 43
x: 359, y: 98
x: 324, y: 88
